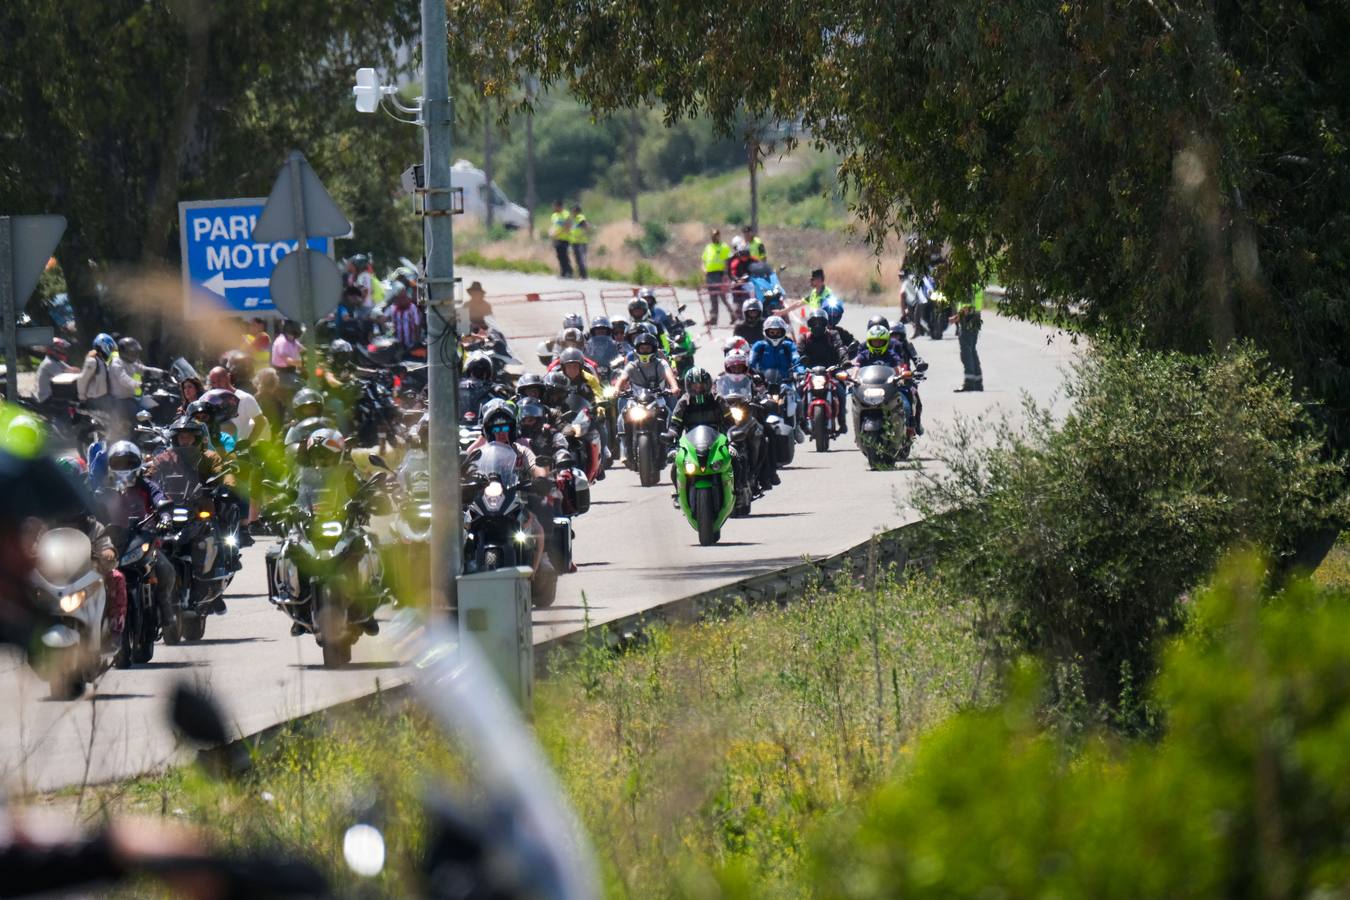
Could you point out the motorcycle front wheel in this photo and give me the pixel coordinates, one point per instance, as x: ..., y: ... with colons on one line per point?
x: 820, y: 429
x: 705, y: 513
x: 649, y: 471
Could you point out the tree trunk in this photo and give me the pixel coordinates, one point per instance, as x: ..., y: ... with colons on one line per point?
x: 531, y: 197
x: 489, y: 195
x: 752, y: 155
x: 633, y: 165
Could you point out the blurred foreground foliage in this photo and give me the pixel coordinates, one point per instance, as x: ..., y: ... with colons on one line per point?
x: 1082, y: 537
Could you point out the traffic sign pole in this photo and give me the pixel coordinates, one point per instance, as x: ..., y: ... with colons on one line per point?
x: 306, y: 296
x: 447, y: 519
x: 9, y: 311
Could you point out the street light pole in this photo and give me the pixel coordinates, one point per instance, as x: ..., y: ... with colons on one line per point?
x: 442, y: 327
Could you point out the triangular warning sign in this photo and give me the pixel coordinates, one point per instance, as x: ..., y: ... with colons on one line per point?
x: 322, y: 216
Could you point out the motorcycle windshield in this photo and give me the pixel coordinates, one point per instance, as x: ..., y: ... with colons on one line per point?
x: 773, y: 378
x: 731, y: 387
x: 412, y: 473
x: 495, y: 459
x: 703, y: 437
x: 875, y: 374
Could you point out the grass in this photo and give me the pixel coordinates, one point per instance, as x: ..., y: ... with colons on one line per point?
x: 711, y: 745
x: 1334, y: 572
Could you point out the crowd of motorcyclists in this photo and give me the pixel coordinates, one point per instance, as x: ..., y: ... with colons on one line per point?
x: 328, y: 450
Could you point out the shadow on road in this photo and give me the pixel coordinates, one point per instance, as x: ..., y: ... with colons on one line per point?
x: 350, y: 667
x: 176, y: 664
x: 101, y: 697
x: 779, y: 515
x: 238, y: 640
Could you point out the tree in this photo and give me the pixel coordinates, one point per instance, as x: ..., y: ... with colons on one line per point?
x: 114, y: 110
x: 1166, y: 169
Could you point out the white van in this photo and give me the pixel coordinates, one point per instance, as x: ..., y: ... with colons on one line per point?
x: 465, y: 175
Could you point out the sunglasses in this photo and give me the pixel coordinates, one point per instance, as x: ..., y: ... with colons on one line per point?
x: 501, y: 429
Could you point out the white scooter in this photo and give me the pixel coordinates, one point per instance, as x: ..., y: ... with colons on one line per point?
x: 75, y: 649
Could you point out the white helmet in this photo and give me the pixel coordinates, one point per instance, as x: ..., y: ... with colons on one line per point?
x: 737, y: 242
x: 775, y: 323
x: 124, y: 464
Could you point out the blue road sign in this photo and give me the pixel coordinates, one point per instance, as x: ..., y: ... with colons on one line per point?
x: 222, y: 264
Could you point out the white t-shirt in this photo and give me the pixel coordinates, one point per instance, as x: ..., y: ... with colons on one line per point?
x: 248, y: 411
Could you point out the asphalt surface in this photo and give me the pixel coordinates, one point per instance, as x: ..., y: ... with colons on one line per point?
x: 633, y: 551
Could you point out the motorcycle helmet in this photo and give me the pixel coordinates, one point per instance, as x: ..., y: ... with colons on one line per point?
x: 737, y: 243
x: 187, y: 425
x: 361, y: 261
x: 478, y: 367
x: 638, y: 309
x: 306, y: 404
x: 325, y: 448
x: 834, y: 310
x: 775, y: 330
x: 224, y: 404
x: 129, y: 349
x: 59, y: 348
x: 571, y: 355
x: 499, y: 415
x: 648, y: 296
x: 105, y: 345
x: 240, y: 366
x: 752, y: 305
x: 573, y: 320
x: 530, y: 385
x: 878, y: 320
x: 124, y: 464
x: 698, y: 384
x: 531, y: 416
x: 340, y: 354
x: 618, y: 329
x: 878, y: 339
x: 898, y: 331
x: 645, y: 345
x: 201, y: 411
x: 556, y: 388
x: 737, y: 362
x: 773, y: 300
x: 572, y: 337
x: 23, y: 436
x: 602, y: 325
x: 816, y: 320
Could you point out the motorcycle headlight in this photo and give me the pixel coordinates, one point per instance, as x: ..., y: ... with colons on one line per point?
x: 690, y: 467
x: 73, y: 601
x: 737, y: 415
x: 817, y: 381
x: 521, y: 537
x: 181, y: 513
x: 638, y: 413
x: 874, y: 394
x: 493, y: 496
x: 610, y: 392
x: 231, y: 541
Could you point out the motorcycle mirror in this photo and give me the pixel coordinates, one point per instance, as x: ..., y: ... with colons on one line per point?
x: 378, y: 462
x: 922, y: 367
x: 680, y: 309
x: 689, y: 323
x: 143, y: 417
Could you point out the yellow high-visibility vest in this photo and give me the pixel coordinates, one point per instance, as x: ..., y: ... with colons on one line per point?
x: 559, y: 225
x: 580, y: 232
x: 715, y: 257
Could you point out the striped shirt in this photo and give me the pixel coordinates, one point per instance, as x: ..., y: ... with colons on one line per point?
x: 407, y: 324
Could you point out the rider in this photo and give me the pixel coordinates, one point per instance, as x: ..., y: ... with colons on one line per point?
x: 129, y: 349
x: 127, y: 496
x: 104, y: 382
x: 820, y: 346
x: 190, y: 459
x: 530, y: 385
x: 776, y: 352
x: 834, y: 310
x: 619, y: 331
x: 640, y: 311
x: 600, y: 345
x: 697, y: 406
x: 736, y: 364
x: 678, y: 345
x: 775, y: 301
x: 656, y: 314
x: 54, y: 362
x: 306, y: 417
x: 501, y: 426
x: 647, y: 370
x: 880, y: 350
x: 751, y: 326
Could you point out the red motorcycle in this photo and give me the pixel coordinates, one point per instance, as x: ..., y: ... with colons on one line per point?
x: 821, y: 391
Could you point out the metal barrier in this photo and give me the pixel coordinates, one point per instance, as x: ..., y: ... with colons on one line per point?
x: 729, y: 295
x: 664, y: 293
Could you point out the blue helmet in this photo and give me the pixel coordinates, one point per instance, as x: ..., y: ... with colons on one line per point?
x: 834, y: 308
x: 104, y: 344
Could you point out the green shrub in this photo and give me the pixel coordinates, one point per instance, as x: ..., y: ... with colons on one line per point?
x: 1248, y: 795
x: 655, y: 237
x: 643, y: 273
x: 1083, y: 538
x: 475, y: 258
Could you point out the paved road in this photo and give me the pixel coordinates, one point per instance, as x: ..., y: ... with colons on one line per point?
x: 633, y: 551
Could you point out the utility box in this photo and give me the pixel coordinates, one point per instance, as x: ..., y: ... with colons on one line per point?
x: 495, y: 610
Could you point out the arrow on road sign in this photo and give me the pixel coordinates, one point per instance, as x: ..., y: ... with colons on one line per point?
x: 217, y: 283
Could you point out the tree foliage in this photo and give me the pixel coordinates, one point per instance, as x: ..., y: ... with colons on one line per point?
x: 114, y: 110
x: 1171, y: 168
x: 1083, y: 536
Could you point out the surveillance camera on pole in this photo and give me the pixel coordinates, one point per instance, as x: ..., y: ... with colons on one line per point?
x: 369, y: 93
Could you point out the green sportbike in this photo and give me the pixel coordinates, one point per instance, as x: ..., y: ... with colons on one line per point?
x: 704, y: 481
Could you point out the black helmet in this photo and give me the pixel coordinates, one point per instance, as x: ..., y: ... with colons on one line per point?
x: 556, y: 387
x: 638, y: 309
x: 225, y: 404
x: 499, y: 412
x: 879, y: 320
x: 185, y: 424
x: 618, y: 325
x: 645, y: 338
x: 532, y: 415
x: 698, y: 383
x: 599, y: 322
x: 201, y: 411
x: 573, y: 320
x: 340, y: 353
x: 307, y: 402
x: 898, y: 330
x: 479, y: 366
x: 129, y: 349
x: 816, y: 320
x: 571, y: 355
x: 530, y: 380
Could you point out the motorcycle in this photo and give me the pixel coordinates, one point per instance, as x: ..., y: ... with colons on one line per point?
x: 705, y: 481
x: 679, y: 346
x: 326, y: 574
x: 192, y: 538
x: 138, y: 548
x: 780, y: 406
x: 819, y: 388
x: 883, y: 432
x: 736, y: 392
x: 583, y: 435
x: 75, y: 648
x: 497, y: 519
x: 644, y: 419
x: 926, y: 314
